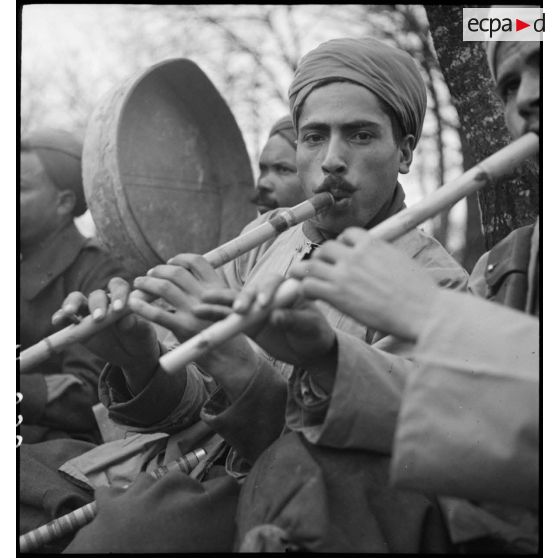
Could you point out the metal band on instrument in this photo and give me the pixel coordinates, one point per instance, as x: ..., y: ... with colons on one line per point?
x: 283, y: 220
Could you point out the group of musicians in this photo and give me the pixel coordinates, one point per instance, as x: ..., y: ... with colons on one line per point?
x: 393, y: 408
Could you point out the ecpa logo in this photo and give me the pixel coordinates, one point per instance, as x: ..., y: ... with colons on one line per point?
x: 503, y: 24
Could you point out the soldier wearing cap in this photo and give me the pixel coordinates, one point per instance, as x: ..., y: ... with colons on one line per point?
x: 55, y: 259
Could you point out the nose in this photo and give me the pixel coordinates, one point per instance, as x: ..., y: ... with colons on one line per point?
x: 528, y: 95
x: 334, y: 161
x: 265, y: 184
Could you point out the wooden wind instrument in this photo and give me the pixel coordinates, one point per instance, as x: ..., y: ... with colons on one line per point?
x: 76, y: 333
x: 75, y: 520
x: 471, y: 181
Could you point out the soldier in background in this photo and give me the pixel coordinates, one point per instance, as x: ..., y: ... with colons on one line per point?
x: 278, y: 184
x: 55, y: 259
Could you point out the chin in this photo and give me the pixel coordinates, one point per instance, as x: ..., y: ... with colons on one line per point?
x: 332, y: 225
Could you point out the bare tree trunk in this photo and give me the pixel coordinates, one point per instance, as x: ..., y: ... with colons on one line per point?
x: 474, y: 239
x: 509, y: 203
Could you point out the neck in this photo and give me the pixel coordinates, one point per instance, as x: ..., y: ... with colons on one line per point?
x: 391, y: 207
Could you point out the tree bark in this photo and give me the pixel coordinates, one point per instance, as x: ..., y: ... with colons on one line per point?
x: 508, y: 203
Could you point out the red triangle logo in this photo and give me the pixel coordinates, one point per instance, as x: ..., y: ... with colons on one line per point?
x: 519, y: 25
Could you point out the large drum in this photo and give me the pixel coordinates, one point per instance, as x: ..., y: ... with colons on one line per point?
x: 165, y: 168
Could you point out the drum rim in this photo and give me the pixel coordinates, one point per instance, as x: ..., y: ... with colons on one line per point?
x: 127, y: 88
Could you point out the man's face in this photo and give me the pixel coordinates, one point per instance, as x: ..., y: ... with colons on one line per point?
x: 278, y: 184
x: 518, y: 84
x: 38, y: 201
x: 346, y: 146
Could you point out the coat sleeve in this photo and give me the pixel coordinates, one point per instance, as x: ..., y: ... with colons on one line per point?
x: 64, y: 401
x: 169, y: 403
x: 361, y: 411
x: 469, y: 422
x: 256, y: 418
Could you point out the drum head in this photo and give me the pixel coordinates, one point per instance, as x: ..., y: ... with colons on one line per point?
x: 165, y: 168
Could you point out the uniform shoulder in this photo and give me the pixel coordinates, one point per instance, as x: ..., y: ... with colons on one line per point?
x: 95, y: 259
x: 431, y: 255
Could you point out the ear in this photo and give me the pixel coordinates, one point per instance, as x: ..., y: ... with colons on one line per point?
x: 66, y: 202
x: 406, y: 153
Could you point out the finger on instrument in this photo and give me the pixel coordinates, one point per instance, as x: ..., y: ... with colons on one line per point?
x: 71, y: 307
x: 60, y: 318
x: 330, y: 252
x: 211, y: 312
x: 245, y: 299
x: 311, y: 268
x: 224, y: 297
x: 267, y: 286
x: 198, y: 266
x: 119, y: 289
x: 178, y: 275
x: 163, y: 288
x: 98, y: 304
x: 317, y: 289
x: 152, y: 312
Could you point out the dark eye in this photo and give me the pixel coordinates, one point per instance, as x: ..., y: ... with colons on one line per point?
x: 281, y: 169
x: 507, y: 88
x: 312, y: 138
x: 361, y: 137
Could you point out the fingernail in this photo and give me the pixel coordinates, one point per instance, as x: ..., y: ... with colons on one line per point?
x: 98, y: 313
x: 118, y: 305
x: 262, y: 299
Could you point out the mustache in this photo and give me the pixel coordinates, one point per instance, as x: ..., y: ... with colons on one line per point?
x: 257, y: 199
x: 333, y: 183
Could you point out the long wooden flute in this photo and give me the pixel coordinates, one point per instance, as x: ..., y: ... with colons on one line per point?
x: 76, y: 519
x: 471, y: 181
x: 228, y: 251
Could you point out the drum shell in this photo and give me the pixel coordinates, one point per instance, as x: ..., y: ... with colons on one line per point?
x: 165, y: 168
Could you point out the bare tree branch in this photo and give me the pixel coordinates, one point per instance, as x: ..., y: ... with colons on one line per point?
x: 243, y: 46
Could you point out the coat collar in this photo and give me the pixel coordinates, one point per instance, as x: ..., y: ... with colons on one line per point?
x: 38, y: 270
